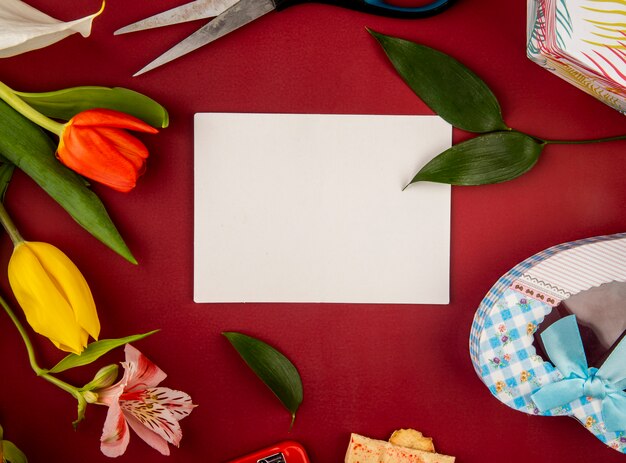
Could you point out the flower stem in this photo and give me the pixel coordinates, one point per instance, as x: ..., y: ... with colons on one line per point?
x: 9, y: 96
x: 29, y: 346
x: 9, y: 226
x: 74, y: 391
x: 583, y: 142
x: 62, y: 384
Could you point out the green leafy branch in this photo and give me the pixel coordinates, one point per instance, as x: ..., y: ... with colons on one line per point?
x: 462, y: 99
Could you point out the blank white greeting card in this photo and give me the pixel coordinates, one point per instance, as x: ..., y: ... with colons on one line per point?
x: 310, y: 208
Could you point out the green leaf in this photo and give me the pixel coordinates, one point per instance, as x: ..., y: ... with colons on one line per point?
x: 94, y: 351
x: 65, y: 104
x: 6, y: 172
x: 272, y: 367
x: 491, y: 158
x: 26, y: 146
x: 11, y: 454
x: 449, y: 88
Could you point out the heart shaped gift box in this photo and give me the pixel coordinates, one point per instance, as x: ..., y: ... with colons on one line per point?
x: 548, y: 338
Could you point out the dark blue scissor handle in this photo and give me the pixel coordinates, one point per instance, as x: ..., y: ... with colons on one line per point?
x: 378, y: 7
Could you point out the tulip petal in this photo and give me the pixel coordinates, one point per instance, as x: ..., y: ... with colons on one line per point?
x: 110, y: 118
x: 46, y: 309
x: 115, y: 433
x: 25, y: 28
x: 83, y: 340
x: 71, y: 284
x: 151, y: 438
x: 142, y: 372
x: 128, y: 146
x: 91, y: 154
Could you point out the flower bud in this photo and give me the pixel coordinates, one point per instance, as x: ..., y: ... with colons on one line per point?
x: 104, y: 378
x: 90, y: 397
x: 95, y: 144
x: 54, y: 295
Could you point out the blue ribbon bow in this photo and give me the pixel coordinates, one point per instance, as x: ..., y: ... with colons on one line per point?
x: 564, y: 346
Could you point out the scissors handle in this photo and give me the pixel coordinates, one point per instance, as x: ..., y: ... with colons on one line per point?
x: 378, y: 7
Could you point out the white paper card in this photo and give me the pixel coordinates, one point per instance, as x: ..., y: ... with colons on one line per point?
x: 310, y: 208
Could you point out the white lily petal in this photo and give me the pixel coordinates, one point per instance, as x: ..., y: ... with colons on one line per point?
x: 24, y: 28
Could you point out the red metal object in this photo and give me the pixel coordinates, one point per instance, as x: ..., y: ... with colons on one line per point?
x: 285, y: 452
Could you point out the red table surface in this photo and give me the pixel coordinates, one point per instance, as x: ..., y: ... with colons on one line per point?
x: 367, y: 369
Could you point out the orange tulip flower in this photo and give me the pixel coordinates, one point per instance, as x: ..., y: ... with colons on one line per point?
x: 95, y: 144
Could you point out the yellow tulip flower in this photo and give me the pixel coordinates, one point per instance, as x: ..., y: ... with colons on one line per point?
x: 54, y: 295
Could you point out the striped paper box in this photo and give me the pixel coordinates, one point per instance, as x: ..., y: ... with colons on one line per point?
x: 583, y: 42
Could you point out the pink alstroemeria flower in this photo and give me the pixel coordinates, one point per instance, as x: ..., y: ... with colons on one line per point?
x: 152, y: 412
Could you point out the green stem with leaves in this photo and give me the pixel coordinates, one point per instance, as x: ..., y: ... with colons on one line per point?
x: 453, y: 91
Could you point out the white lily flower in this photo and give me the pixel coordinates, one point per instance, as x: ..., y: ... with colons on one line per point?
x: 24, y: 28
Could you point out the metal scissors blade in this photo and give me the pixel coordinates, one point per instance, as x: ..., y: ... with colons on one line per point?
x: 238, y: 15
x: 198, y: 9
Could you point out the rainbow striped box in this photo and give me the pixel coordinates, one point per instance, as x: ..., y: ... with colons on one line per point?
x: 586, y: 278
x: 583, y: 42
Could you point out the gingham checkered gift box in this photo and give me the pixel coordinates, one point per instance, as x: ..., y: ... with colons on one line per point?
x: 503, y: 345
